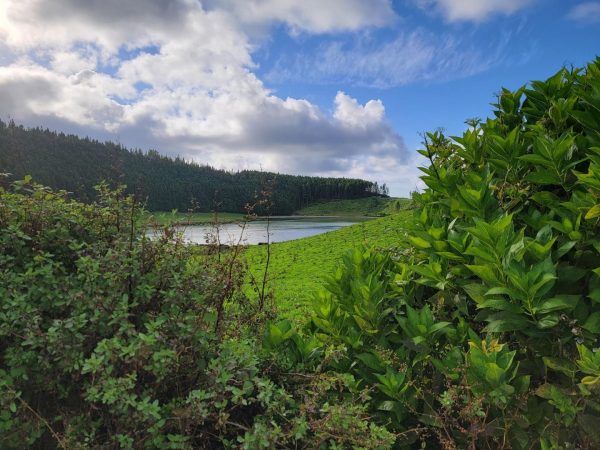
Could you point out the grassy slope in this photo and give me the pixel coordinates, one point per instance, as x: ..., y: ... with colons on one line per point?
x: 370, y: 206
x: 297, y: 267
x: 165, y: 218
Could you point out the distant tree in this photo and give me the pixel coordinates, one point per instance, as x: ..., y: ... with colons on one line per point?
x: 76, y: 164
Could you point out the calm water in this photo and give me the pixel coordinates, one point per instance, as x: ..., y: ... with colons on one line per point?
x: 280, y: 229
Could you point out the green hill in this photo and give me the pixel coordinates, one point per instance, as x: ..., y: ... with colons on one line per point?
x: 369, y: 206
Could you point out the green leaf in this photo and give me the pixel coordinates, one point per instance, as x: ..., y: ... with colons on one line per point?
x: 387, y: 405
x: 450, y: 255
x: 485, y: 272
x: 594, y: 295
x: 545, y: 198
x: 503, y: 291
x: 564, y: 249
x: 592, y: 323
x: 593, y: 213
x: 557, y: 303
x: 438, y: 326
x: 560, y: 365
x: 535, y: 159
x: 590, y: 380
x: 371, y: 361
x: 507, y: 322
x: 500, y: 305
x: 548, y: 321
x: 545, y: 391
x: 543, y: 178
x: 419, y: 242
x: 476, y: 292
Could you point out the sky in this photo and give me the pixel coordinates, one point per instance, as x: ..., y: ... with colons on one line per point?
x: 318, y: 87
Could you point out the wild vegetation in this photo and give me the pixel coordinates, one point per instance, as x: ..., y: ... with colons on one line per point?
x: 77, y: 165
x: 109, y: 339
x: 481, y: 331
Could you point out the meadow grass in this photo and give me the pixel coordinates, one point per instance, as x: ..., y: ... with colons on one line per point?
x: 196, y: 218
x: 297, y: 268
x: 369, y: 206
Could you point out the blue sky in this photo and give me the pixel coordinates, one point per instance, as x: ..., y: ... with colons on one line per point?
x: 532, y: 43
x: 323, y: 87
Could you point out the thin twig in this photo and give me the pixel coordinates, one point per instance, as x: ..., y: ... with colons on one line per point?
x: 61, y: 444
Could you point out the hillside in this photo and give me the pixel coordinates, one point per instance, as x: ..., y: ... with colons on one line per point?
x: 77, y: 164
x: 297, y: 268
x: 369, y: 206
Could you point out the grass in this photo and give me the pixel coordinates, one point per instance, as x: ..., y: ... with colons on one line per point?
x: 197, y: 218
x: 369, y: 206
x: 297, y: 267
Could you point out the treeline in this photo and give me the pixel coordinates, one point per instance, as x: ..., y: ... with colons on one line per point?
x: 77, y: 164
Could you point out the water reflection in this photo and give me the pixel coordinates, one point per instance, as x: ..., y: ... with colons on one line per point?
x: 255, y: 232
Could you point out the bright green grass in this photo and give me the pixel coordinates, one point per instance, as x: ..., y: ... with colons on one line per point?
x: 297, y: 267
x: 197, y: 218
x: 369, y: 206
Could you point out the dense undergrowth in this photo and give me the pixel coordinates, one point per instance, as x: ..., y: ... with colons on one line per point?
x: 482, y: 333
x: 109, y: 339
x: 485, y: 332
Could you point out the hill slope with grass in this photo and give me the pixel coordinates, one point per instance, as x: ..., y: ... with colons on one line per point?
x: 370, y: 206
x: 297, y: 268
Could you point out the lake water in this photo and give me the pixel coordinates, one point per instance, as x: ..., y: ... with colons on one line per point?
x: 280, y: 229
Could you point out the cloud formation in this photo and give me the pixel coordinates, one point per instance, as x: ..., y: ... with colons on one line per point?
x: 313, y: 16
x: 404, y: 59
x: 178, y: 76
x: 475, y: 11
x: 586, y: 12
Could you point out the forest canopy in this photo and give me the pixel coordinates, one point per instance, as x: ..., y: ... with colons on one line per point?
x: 77, y: 164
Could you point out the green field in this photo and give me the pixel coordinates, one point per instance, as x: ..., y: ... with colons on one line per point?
x: 196, y: 218
x: 297, y: 267
x: 369, y: 206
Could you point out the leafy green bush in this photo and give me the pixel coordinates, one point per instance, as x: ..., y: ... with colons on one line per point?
x: 110, y: 339
x: 485, y: 333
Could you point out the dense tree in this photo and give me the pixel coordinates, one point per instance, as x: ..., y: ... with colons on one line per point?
x: 77, y: 164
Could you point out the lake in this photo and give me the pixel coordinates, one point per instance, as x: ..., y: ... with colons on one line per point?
x: 281, y: 229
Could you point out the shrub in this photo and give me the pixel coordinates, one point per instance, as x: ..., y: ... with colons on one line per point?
x: 485, y: 331
x: 112, y: 339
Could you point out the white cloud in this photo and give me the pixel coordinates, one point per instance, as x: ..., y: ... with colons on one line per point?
x: 174, y: 76
x: 473, y: 10
x: 314, y: 16
x: 407, y: 58
x: 586, y: 12
x: 353, y: 115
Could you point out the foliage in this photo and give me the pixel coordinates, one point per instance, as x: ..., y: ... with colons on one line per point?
x: 109, y: 339
x: 484, y: 333
x: 75, y: 164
